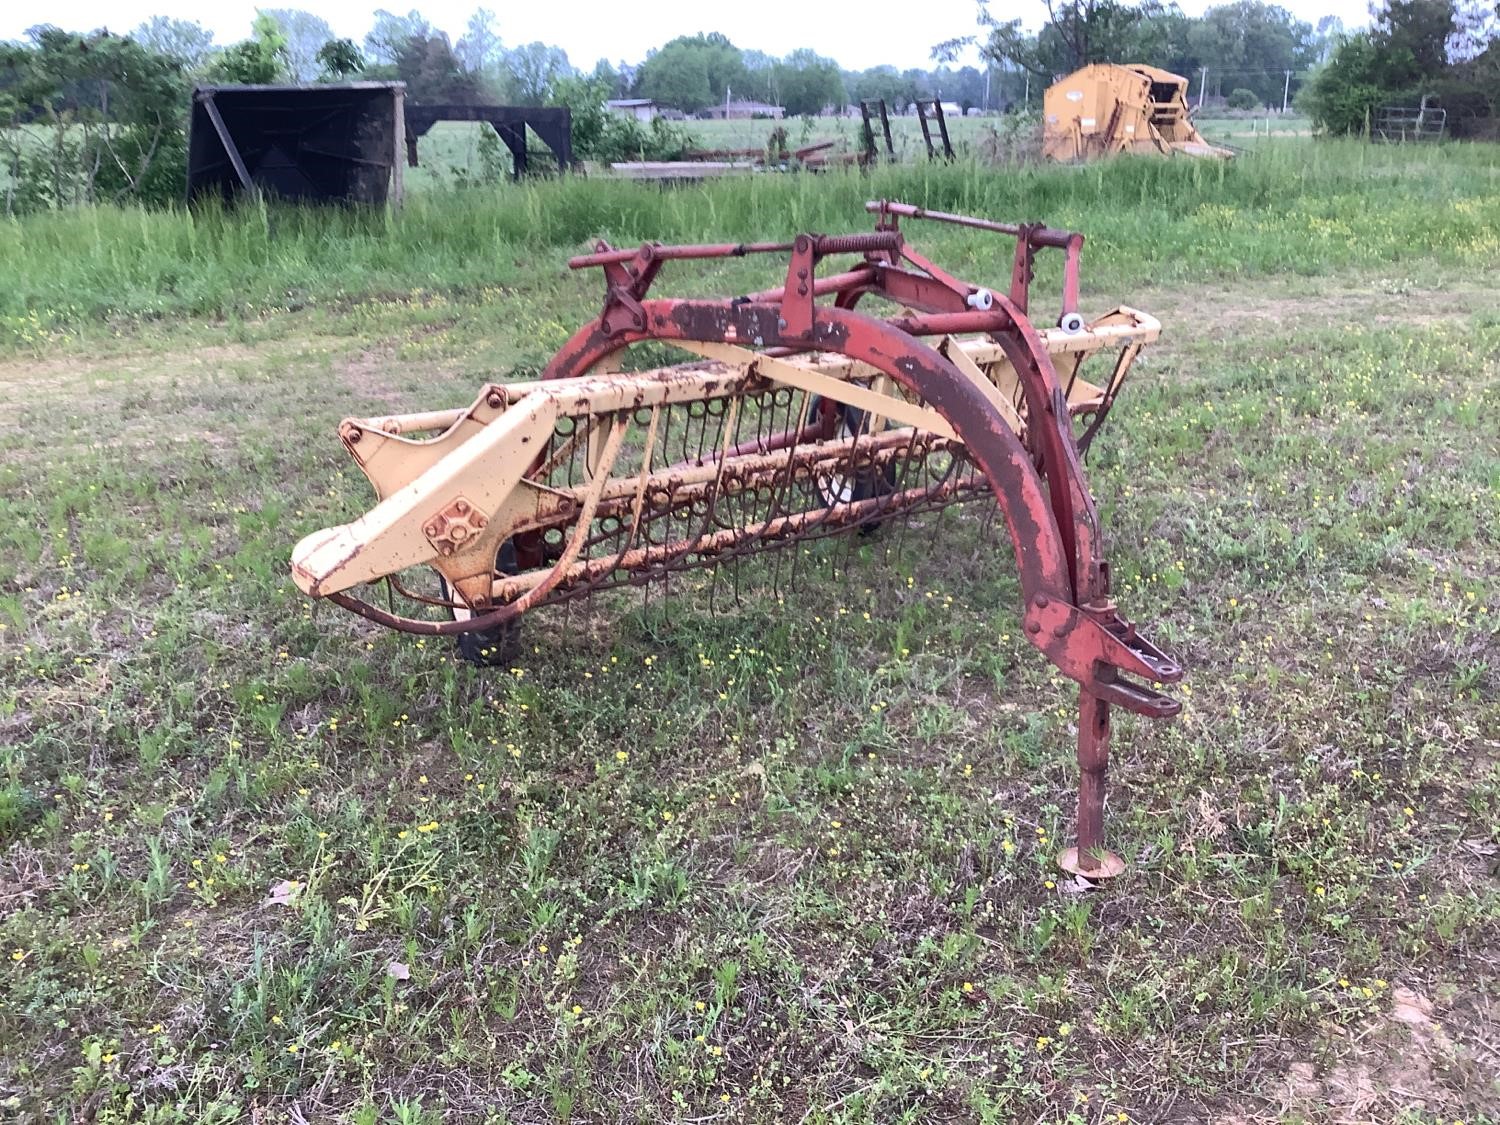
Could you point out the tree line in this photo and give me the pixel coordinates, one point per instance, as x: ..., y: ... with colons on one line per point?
x: 100, y: 117
x: 1256, y: 54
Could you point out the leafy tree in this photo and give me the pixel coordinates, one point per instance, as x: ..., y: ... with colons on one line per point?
x: 601, y: 135
x: 1415, y: 48
x: 1243, y: 98
x: 1163, y: 37
x: 885, y: 82
x: 392, y: 33
x: 1344, y: 94
x: 1252, y: 44
x: 340, y: 58
x: 482, y: 53
x: 691, y: 72
x: 480, y: 47
x: 760, y: 78
x: 185, y: 40
x: 259, y: 60
x: 304, y: 33
x: 626, y: 77
x: 1413, y: 35
x: 808, y: 82
x: 1077, y: 32
x: 676, y: 77
x: 534, y: 70
x: 432, y: 72
x: 1327, y: 35
x: 114, y: 111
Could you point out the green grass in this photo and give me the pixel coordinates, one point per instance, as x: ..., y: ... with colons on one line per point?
x: 773, y: 860
x: 1290, y: 207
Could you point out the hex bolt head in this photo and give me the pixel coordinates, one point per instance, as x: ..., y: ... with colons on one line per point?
x: 1034, y: 627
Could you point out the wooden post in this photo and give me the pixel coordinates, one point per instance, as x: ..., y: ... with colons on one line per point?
x: 398, y: 147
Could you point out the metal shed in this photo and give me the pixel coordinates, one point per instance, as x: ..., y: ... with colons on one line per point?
x: 338, y: 142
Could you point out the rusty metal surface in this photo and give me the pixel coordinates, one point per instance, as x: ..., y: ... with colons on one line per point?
x: 599, y: 479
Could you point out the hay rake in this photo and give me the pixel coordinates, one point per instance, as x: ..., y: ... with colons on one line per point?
x: 800, y: 416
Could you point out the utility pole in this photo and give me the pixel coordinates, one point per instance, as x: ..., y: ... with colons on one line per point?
x: 1028, y: 89
x: 1286, y: 90
x: 1202, y: 86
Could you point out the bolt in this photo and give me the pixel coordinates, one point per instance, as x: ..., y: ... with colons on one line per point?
x: 1034, y: 627
x: 354, y: 433
x: 494, y: 400
x: 431, y: 531
x: 1041, y: 601
x: 446, y: 549
x: 462, y: 507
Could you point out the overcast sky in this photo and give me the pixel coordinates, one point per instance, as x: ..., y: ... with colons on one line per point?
x: 858, y: 35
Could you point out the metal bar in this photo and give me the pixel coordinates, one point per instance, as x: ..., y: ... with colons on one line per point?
x: 1042, y: 236
x: 507, y: 589
x: 1089, y: 857
x: 672, y: 253
x: 922, y: 105
x: 833, y: 283
x: 804, y: 379
x: 942, y: 120
x: 226, y: 140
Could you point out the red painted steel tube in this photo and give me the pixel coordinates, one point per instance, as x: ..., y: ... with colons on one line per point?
x: 672, y: 253
x: 833, y: 283
x: 1093, y: 764
x: 1042, y: 236
x: 824, y: 243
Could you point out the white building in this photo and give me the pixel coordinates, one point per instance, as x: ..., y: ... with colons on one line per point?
x: 642, y: 109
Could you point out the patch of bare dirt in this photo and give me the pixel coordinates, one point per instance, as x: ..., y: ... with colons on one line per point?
x: 1237, y: 311
x: 21, y: 377
x: 1409, y: 1058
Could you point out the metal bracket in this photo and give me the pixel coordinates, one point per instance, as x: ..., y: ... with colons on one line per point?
x: 454, y: 526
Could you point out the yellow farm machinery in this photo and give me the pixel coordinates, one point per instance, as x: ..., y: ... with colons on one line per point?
x: 1106, y: 109
x: 797, y: 414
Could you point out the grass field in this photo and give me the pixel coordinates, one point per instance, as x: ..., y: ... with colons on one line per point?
x: 452, y: 150
x: 783, y: 859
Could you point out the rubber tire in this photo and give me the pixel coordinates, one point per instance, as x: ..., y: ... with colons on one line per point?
x: 490, y: 648
x: 867, y: 485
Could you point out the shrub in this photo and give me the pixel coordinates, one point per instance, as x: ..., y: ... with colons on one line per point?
x: 1244, y: 99
x: 1344, y: 94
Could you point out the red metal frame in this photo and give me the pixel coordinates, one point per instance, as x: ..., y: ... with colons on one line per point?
x: 1040, y: 486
